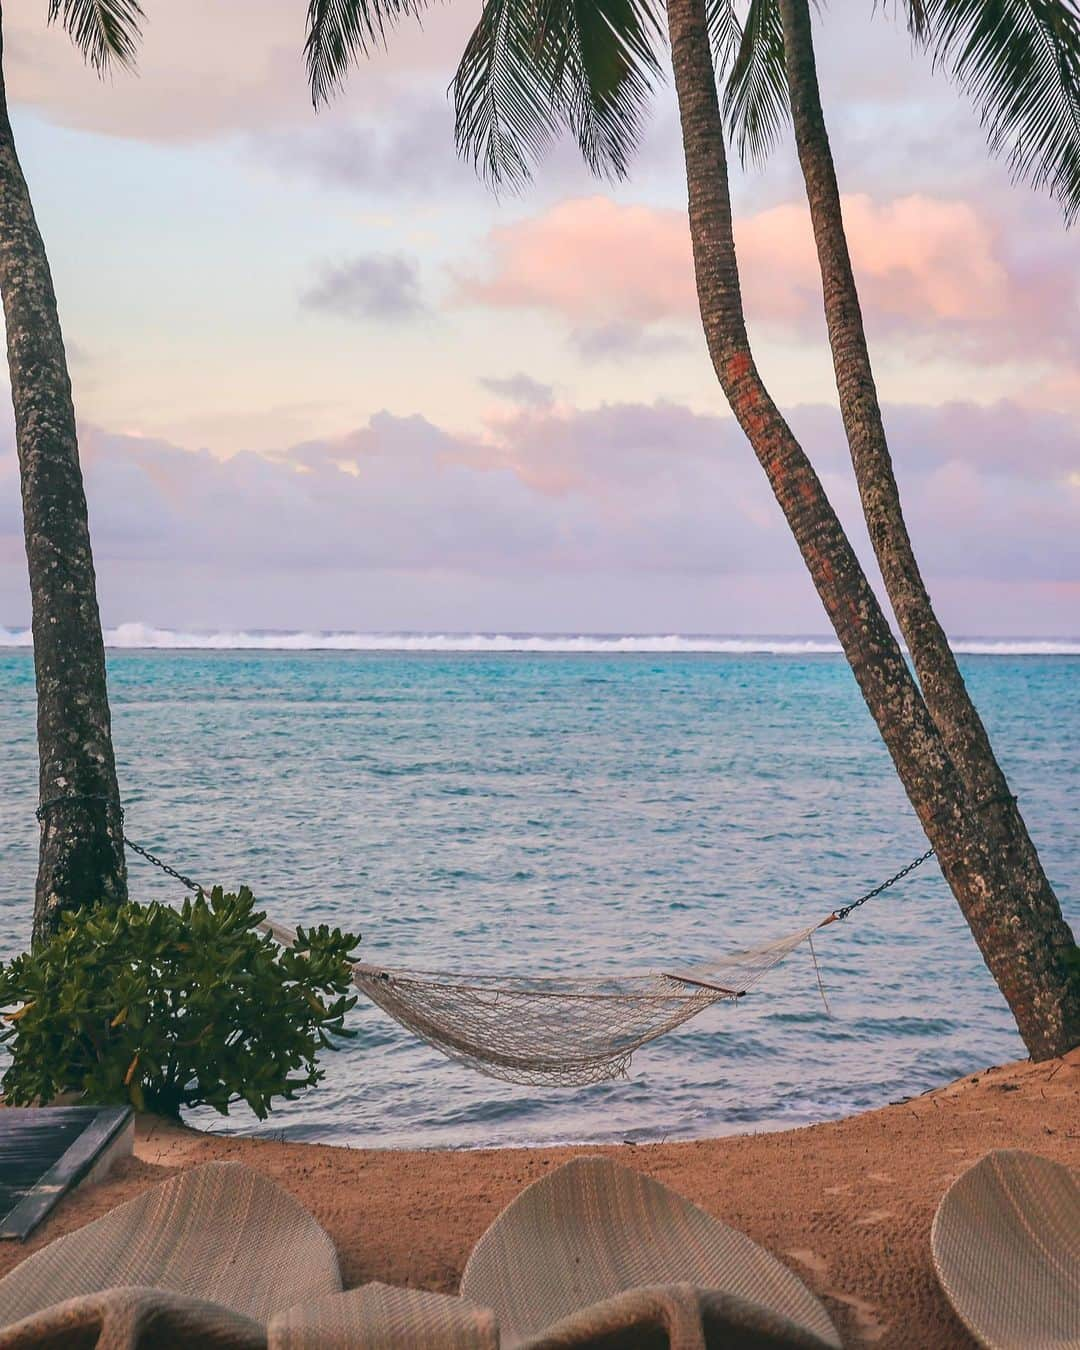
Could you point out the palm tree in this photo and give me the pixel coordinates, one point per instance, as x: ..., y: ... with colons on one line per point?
x: 533, y: 67
x: 1004, y: 909
x: 1021, y: 61
x: 82, y: 851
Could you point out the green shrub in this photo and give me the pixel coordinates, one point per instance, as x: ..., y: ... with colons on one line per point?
x: 167, y: 1008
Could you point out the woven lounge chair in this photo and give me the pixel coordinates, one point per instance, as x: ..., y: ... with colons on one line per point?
x: 380, y: 1317
x: 206, y: 1258
x: 597, y: 1254
x: 592, y: 1256
x: 134, y: 1319
x: 1006, y: 1248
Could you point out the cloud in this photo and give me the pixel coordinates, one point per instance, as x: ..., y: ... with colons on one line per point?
x: 207, y: 69
x: 376, y: 287
x: 646, y: 505
x: 187, y: 87
x: 918, y: 260
x: 937, y: 273
x: 620, y: 341
x: 522, y: 389
x: 404, y: 149
x: 543, y: 492
x: 1003, y: 440
x: 590, y: 260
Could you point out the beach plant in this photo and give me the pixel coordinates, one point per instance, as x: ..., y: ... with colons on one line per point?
x: 169, y: 1008
x: 82, y: 850
x: 534, y: 67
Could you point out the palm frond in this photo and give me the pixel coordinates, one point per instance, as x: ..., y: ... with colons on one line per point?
x: 916, y: 16
x: 105, y: 31
x: 533, y: 67
x: 608, y: 77
x: 725, y: 31
x: 1019, y: 60
x: 504, y: 101
x: 340, y: 32
x: 756, y: 96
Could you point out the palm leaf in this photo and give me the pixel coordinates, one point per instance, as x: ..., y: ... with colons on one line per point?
x: 532, y: 67
x: 504, y: 101
x: 608, y: 76
x: 725, y: 31
x: 103, y: 30
x: 1020, y: 62
x: 339, y: 32
x: 756, y: 96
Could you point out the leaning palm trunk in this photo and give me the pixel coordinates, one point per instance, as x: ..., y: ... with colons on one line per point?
x: 1033, y: 903
x: 82, y: 852
x: 1019, y: 960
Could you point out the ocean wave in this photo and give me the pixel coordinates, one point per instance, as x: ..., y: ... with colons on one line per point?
x: 141, y: 636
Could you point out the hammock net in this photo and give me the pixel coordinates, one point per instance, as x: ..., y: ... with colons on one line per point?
x: 557, y: 1030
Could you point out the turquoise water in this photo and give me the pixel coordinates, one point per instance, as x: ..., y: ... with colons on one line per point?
x: 574, y: 811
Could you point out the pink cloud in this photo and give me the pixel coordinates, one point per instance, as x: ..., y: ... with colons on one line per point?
x: 917, y: 258
x: 920, y: 261
x: 591, y: 260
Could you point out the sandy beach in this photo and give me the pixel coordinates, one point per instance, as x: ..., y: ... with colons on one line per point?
x: 847, y: 1204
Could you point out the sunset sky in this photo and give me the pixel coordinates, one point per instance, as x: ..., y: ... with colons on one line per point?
x: 326, y: 379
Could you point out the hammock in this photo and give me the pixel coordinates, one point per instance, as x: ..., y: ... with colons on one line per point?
x: 557, y: 1030
x: 551, y: 1030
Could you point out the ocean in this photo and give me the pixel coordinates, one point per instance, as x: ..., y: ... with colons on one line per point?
x: 496, y: 803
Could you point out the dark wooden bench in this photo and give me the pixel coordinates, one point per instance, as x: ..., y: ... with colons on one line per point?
x: 47, y: 1151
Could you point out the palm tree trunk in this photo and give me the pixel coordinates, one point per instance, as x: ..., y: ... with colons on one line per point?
x: 1035, y: 905
x: 1017, y: 959
x: 82, y: 852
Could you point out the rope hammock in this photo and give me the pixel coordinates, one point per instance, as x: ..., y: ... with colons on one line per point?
x: 554, y: 1030
x: 562, y: 1030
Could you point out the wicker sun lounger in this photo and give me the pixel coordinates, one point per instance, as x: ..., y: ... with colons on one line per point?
x: 594, y: 1255
x: 1006, y: 1248
x: 208, y: 1257
x: 381, y: 1317
x: 594, y: 1250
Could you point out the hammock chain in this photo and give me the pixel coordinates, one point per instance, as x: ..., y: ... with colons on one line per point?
x: 170, y: 871
x: 884, y: 886
x: 47, y: 806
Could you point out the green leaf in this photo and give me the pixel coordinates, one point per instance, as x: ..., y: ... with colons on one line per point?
x: 339, y: 32
x: 756, y: 97
x: 1019, y: 61
x: 533, y: 67
x: 105, y: 31
x: 134, y: 1003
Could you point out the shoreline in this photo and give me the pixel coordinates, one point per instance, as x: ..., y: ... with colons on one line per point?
x: 740, y: 1131
x: 847, y: 1204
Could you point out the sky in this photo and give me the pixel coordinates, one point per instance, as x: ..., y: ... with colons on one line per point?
x: 326, y: 379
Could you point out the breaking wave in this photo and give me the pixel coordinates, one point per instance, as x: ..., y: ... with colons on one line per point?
x: 140, y: 636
